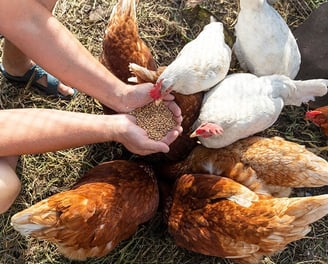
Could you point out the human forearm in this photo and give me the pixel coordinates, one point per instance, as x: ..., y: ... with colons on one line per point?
x: 30, y: 131
x: 58, y: 51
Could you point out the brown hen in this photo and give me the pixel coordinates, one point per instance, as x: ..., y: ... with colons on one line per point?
x: 319, y: 117
x: 265, y: 165
x: 217, y: 216
x: 103, y: 208
x: 122, y: 43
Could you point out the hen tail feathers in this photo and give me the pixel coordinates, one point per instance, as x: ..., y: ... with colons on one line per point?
x: 305, y: 91
x: 125, y: 7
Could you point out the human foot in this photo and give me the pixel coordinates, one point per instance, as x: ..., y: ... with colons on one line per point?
x: 41, y: 80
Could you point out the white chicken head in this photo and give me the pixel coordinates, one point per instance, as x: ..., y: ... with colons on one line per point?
x: 159, y: 91
x: 207, y: 130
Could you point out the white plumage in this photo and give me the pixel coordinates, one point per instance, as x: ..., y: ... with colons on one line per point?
x: 201, y: 64
x: 264, y: 43
x: 244, y: 104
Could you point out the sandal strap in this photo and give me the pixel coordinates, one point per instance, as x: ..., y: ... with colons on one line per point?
x: 20, y: 79
x: 33, y: 75
x: 52, y: 82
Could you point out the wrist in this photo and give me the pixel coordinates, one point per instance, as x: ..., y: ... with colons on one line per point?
x: 126, y: 99
x: 115, y: 127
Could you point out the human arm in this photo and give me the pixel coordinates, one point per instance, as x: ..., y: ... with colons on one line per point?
x: 31, y: 131
x: 60, y: 53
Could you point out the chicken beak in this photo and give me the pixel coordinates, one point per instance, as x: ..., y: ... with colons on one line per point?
x: 193, y: 134
x: 158, y: 102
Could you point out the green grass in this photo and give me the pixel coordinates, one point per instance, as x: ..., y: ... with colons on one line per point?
x: 165, y: 30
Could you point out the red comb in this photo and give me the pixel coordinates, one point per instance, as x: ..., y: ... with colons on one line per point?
x: 200, y: 131
x: 155, y: 92
x: 312, y: 114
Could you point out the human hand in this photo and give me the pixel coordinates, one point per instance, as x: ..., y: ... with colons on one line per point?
x: 138, y: 95
x: 136, y: 140
x: 135, y: 96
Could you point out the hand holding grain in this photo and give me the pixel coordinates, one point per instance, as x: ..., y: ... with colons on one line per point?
x: 136, y: 139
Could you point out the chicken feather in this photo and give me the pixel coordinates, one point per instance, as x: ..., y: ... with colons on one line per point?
x: 203, y: 219
x: 264, y: 43
x: 265, y: 165
x: 243, y: 104
x: 103, y: 208
x: 319, y: 117
x: 202, y: 63
x: 122, y: 44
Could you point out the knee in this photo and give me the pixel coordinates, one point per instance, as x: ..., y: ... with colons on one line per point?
x: 8, y: 194
x: 10, y: 185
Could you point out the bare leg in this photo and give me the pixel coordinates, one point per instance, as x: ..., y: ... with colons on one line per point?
x: 10, y: 185
x: 17, y: 63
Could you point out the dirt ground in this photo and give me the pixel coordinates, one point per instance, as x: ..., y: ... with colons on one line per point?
x: 166, y: 27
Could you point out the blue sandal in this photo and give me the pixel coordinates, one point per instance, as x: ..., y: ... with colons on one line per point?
x: 35, y: 73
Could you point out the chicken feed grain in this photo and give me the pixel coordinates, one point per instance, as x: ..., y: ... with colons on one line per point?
x: 156, y: 120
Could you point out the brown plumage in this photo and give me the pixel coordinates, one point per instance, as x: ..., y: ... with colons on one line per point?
x: 217, y: 216
x: 319, y: 117
x: 189, y: 104
x: 142, y: 74
x: 103, y: 208
x: 190, y: 107
x: 122, y: 43
x: 265, y: 165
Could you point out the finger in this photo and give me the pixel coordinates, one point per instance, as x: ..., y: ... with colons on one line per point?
x: 168, y: 97
x: 163, y: 144
x: 155, y: 147
x: 179, y: 129
x: 163, y: 147
x: 178, y: 120
x: 171, y: 136
x: 174, y: 108
x: 132, y: 118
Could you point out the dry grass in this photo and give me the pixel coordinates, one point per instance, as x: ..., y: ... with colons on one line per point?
x: 165, y: 28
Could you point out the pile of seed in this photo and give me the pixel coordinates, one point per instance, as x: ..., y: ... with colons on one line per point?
x: 156, y: 120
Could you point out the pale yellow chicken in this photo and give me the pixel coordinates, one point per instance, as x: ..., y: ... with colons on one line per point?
x: 265, y: 165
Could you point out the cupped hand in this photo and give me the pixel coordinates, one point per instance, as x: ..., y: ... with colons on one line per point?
x: 136, y: 140
x: 174, y: 108
x: 138, y: 95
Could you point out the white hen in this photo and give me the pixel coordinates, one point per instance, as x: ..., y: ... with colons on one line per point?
x: 264, y: 43
x: 244, y: 104
x: 201, y: 64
